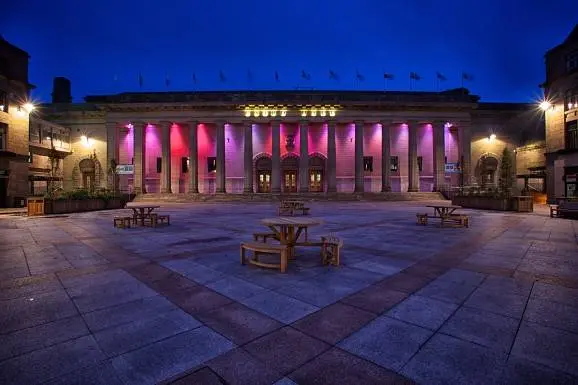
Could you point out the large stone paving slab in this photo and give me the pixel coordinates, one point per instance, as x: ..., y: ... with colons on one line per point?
x: 83, y: 302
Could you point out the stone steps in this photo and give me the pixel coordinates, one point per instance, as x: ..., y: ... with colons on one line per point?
x: 391, y: 196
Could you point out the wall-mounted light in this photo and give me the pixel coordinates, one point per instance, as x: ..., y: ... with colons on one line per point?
x: 86, y: 141
x: 545, y: 105
x: 491, y: 138
x: 28, y: 107
x: 227, y: 140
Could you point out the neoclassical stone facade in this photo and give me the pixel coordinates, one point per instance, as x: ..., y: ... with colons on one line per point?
x: 282, y: 144
x: 275, y: 142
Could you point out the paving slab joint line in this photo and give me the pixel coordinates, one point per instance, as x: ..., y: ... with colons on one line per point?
x: 441, y: 326
x: 521, y: 321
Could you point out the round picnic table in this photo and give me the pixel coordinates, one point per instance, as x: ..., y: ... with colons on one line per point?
x: 288, y: 229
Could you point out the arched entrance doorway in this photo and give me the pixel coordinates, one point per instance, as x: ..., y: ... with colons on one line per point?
x: 88, y: 171
x: 263, y: 169
x: 488, y: 165
x: 290, y: 170
x: 316, y: 172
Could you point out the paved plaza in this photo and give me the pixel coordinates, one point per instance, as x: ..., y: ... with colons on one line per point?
x: 84, y: 303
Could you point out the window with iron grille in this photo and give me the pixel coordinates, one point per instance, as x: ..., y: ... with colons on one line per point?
x: 572, y: 135
x: 368, y: 163
x: 394, y: 162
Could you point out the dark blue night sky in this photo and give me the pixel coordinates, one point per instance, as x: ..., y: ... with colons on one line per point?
x: 102, y: 46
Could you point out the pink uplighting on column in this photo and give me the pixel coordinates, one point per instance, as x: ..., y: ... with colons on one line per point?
x: 317, y: 138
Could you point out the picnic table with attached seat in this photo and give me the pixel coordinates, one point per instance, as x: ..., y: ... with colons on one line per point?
x: 139, y: 213
x: 446, y: 214
x: 289, y: 207
x: 289, y: 229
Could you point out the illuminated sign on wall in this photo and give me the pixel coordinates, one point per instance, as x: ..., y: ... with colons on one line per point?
x: 273, y: 111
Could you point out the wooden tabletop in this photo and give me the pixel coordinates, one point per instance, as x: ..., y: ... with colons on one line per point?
x: 444, y: 206
x: 291, y: 221
x: 141, y: 206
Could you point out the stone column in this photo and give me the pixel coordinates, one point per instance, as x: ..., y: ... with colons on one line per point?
x: 248, y: 158
x: 359, y: 180
x: 413, y: 171
x: 276, y: 158
x: 465, y: 151
x: 166, y: 157
x: 220, y: 137
x: 331, y: 159
x: 439, y: 151
x: 303, y: 158
x: 139, y: 157
x: 193, y: 158
x: 112, y: 154
x: 385, y: 157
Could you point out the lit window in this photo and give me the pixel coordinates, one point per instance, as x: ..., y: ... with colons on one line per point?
x: 394, y: 163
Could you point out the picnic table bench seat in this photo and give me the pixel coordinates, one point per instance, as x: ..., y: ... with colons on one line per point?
x: 264, y: 248
x: 564, y: 209
x: 122, y: 221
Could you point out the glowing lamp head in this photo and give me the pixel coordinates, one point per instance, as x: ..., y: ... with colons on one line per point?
x: 28, y: 107
x: 545, y: 105
x: 492, y: 137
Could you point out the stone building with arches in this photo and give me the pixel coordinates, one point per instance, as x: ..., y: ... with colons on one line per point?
x: 280, y: 142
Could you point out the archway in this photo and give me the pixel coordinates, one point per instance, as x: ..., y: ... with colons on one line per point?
x: 317, y: 162
x: 486, y: 169
x: 263, y: 166
x: 290, y: 170
x: 88, y: 172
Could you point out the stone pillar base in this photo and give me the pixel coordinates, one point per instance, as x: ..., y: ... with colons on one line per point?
x: 166, y: 191
x: 386, y: 189
x: 412, y: 190
x: 248, y: 190
x: 331, y: 190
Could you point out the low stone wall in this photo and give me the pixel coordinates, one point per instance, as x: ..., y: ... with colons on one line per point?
x: 64, y: 206
x: 520, y: 204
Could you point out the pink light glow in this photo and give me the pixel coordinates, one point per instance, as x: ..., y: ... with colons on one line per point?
x: 425, y: 148
x: 317, y: 138
x: 153, y: 150
x: 179, y: 149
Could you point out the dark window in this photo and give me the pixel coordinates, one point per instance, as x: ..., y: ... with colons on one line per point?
x: 3, y: 101
x: 572, y: 135
x: 572, y: 61
x: 3, y: 131
x: 445, y: 159
x: 212, y: 164
x: 420, y: 163
x: 394, y: 163
x: 159, y: 165
x: 368, y: 163
x: 131, y: 160
x: 29, y: 157
x: 184, y: 164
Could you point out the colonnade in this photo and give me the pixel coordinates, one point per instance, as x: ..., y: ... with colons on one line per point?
x: 438, y: 151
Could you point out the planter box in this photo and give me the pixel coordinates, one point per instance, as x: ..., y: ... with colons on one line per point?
x: 519, y: 203
x: 42, y: 206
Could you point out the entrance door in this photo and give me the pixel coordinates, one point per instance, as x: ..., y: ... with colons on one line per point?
x: 264, y: 178
x: 290, y: 181
x: 315, y: 180
x: 3, y: 191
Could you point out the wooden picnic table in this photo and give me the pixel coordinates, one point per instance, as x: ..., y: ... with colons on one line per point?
x: 443, y: 211
x: 139, y: 211
x: 289, y: 229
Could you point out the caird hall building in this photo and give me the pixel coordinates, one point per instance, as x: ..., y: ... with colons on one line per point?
x: 291, y: 141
